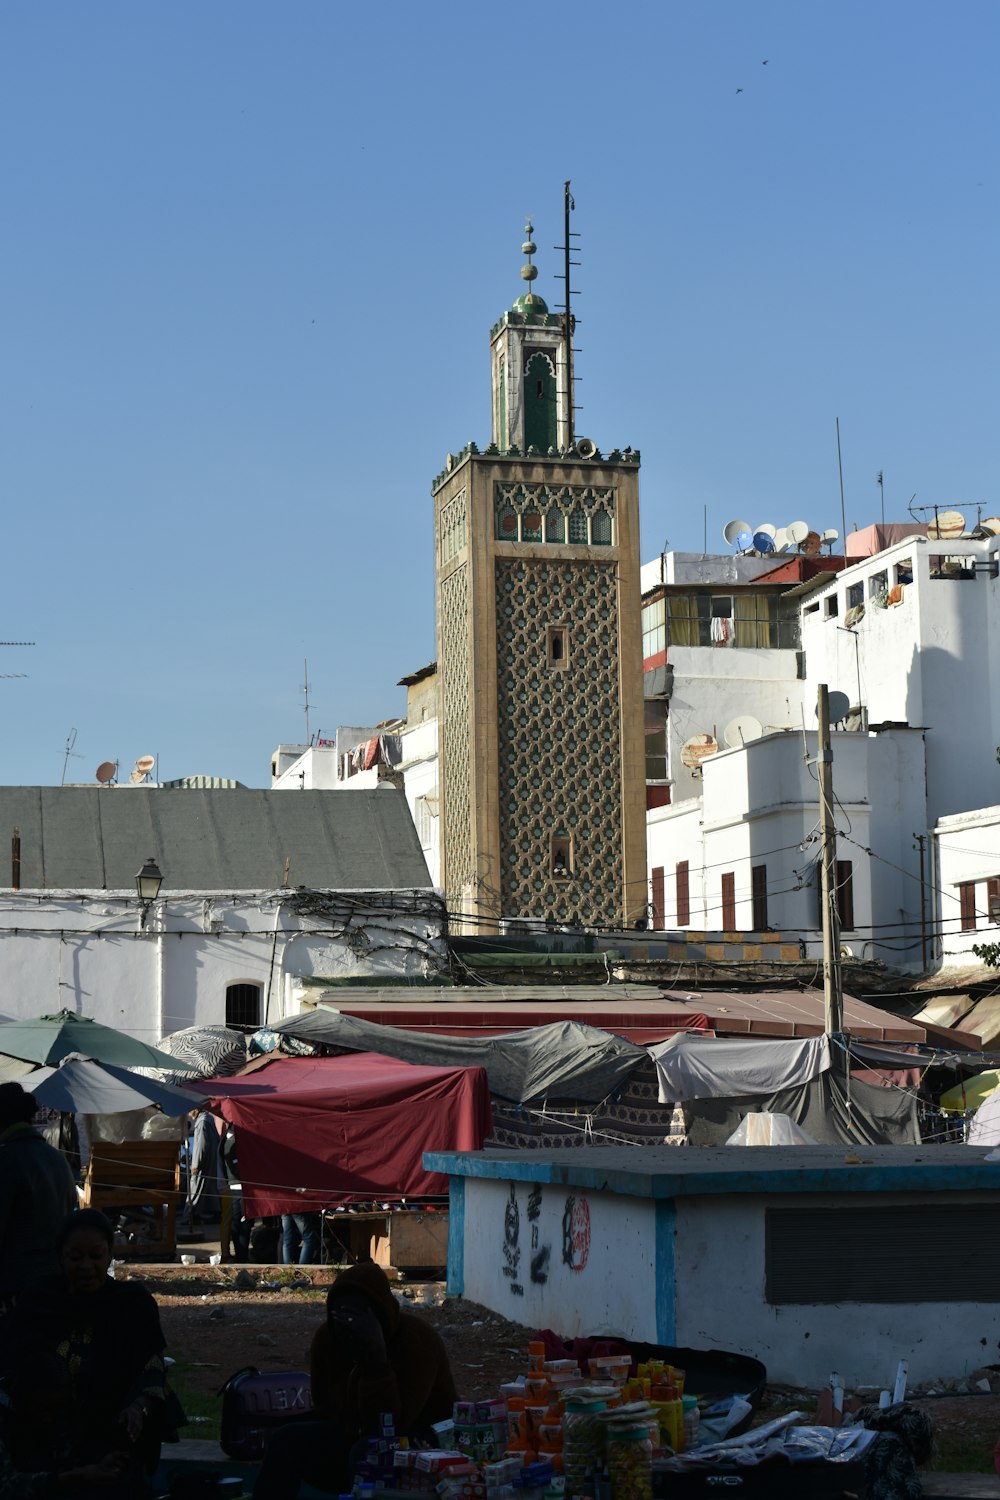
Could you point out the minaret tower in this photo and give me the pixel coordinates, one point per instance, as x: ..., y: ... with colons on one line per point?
x: 542, y: 778
x: 530, y: 397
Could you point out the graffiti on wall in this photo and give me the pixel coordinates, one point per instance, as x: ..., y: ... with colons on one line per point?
x: 540, y: 1262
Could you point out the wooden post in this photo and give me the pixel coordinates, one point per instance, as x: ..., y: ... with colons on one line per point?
x: 833, y: 1000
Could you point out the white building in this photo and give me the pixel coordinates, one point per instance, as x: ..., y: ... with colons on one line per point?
x: 900, y: 628
x: 265, y: 899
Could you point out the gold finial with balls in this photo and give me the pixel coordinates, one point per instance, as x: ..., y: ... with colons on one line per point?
x: 528, y: 271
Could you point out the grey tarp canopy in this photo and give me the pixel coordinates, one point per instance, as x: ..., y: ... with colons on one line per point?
x: 869, y: 1115
x: 565, y: 1060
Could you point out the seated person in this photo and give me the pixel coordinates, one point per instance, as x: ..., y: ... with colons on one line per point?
x: 370, y: 1357
x: 35, y: 1460
x: 103, y: 1341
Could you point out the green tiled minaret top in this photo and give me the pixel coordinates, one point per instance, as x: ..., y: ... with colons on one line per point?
x: 530, y: 301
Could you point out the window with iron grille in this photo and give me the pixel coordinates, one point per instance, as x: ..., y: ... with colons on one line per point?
x: 243, y: 1007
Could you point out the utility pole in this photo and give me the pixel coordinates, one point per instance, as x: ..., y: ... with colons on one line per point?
x: 833, y: 997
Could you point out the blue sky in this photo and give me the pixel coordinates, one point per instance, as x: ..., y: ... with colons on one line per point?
x: 252, y: 253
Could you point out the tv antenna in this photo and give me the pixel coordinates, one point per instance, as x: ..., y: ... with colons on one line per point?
x: 12, y: 675
x: 69, y: 752
x: 569, y: 321
x: 305, y: 694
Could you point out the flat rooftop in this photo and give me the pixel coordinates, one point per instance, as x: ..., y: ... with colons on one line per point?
x: 684, y: 1172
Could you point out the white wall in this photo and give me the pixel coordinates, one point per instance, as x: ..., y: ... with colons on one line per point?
x: 315, y: 769
x: 712, y: 685
x: 419, y: 766
x: 760, y: 806
x: 925, y: 662
x: 697, y: 1282
x: 966, y: 848
x: 720, y: 1302
x: 62, y: 950
x: 524, y: 1266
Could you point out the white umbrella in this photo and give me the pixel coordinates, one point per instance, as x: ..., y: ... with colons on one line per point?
x: 94, y: 1088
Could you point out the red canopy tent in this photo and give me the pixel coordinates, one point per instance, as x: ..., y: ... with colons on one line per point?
x: 315, y: 1132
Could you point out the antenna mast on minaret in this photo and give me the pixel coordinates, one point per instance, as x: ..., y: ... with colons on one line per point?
x: 305, y: 694
x: 569, y: 322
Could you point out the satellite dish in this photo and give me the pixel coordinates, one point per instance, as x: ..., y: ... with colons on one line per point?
x: 947, y: 523
x: 839, y: 705
x: 990, y: 526
x: 782, y: 541
x: 744, y: 540
x: 763, y: 541
x: 698, y: 748
x: 767, y: 528
x: 106, y: 771
x: 831, y: 535
x: 732, y: 529
x: 741, y: 730
x: 145, y: 764
x: 797, y: 531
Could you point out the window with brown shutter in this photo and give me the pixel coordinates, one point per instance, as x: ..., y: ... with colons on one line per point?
x: 758, y: 896
x: 845, y: 894
x: 682, y: 878
x: 967, y: 905
x: 993, y: 901
x: 658, y: 908
x: 729, y: 902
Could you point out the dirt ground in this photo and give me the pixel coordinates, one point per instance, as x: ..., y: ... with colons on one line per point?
x: 213, y: 1328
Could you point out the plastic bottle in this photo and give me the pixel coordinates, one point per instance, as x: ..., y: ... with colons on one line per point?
x: 671, y: 1418
x: 630, y: 1462
x: 516, y: 1423
x: 583, y: 1442
x: 692, y: 1417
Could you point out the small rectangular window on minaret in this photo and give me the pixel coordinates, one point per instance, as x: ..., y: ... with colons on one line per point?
x: 557, y: 647
x: 562, y: 856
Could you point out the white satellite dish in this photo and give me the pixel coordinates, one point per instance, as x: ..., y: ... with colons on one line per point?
x: 830, y: 536
x: 145, y: 764
x: 767, y: 529
x: 839, y: 705
x: 732, y: 529
x: 782, y: 541
x: 989, y: 526
x: 698, y: 748
x: 741, y: 730
x: 947, y: 523
x: 797, y: 531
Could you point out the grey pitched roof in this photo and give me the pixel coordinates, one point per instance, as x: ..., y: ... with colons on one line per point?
x: 97, y: 838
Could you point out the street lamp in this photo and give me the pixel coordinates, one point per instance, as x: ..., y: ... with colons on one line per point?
x: 147, y: 883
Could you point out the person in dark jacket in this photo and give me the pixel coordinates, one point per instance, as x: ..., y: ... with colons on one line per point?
x: 37, y: 1191
x: 369, y: 1358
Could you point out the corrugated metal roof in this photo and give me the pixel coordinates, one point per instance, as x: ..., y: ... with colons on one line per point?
x: 776, y: 1013
x: 96, y: 838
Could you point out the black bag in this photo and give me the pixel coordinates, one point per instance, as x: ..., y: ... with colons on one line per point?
x: 253, y: 1405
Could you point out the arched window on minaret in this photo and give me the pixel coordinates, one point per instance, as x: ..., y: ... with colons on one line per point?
x: 539, y: 403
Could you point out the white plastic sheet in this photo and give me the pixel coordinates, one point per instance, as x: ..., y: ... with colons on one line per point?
x: 708, y: 1068
x: 766, y: 1129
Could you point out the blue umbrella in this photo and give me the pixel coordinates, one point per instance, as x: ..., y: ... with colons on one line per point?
x: 88, y: 1087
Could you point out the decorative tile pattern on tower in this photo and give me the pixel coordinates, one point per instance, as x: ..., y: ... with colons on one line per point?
x: 559, y: 740
x: 454, y: 528
x: 460, y: 864
x: 553, y: 513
